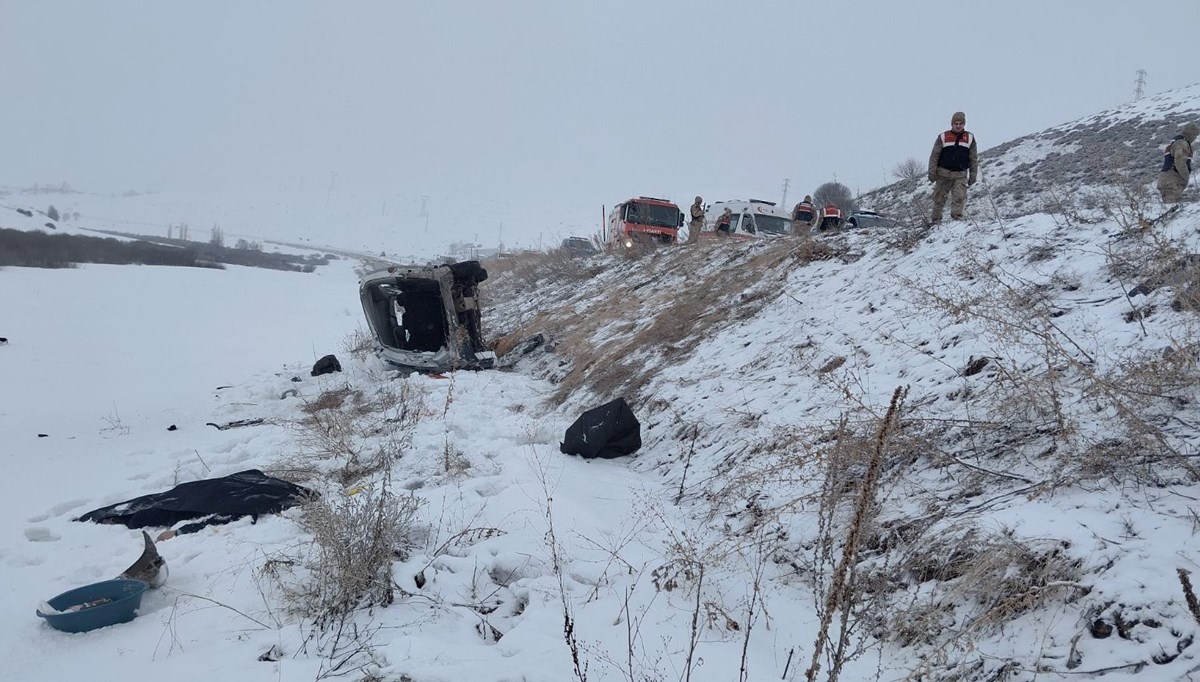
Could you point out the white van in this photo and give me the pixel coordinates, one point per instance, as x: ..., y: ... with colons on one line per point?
x: 752, y: 219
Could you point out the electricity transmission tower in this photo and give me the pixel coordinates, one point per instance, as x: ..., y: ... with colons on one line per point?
x: 1141, y: 84
x: 424, y: 214
x: 786, y: 182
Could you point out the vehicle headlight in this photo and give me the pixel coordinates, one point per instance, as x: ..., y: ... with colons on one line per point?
x: 628, y: 243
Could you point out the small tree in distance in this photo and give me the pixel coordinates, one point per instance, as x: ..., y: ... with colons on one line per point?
x: 52, y: 213
x: 909, y: 169
x: 837, y: 194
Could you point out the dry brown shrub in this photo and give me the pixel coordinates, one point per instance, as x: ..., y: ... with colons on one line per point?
x: 505, y: 344
x: 1128, y: 202
x: 359, y: 343
x: 350, y: 434
x: 356, y: 538
x: 832, y: 364
x: 349, y: 444
x: 328, y: 400
x: 980, y: 583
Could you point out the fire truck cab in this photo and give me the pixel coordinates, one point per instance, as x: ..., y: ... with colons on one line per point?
x: 644, y: 220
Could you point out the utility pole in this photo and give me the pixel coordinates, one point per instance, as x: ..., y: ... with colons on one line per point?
x: 1141, y: 84
x: 786, y: 182
x: 332, y: 182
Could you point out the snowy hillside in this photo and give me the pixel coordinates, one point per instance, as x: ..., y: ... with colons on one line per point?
x: 32, y: 215
x: 1040, y: 487
x: 1073, y: 165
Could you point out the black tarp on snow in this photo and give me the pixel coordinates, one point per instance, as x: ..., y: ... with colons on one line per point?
x: 607, y: 431
x: 215, y: 500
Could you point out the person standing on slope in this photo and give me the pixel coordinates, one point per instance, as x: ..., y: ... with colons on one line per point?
x: 831, y: 217
x: 953, y: 166
x: 803, y: 216
x: 697, y: 222
x: 1177, y: 164
x: 725, y: 223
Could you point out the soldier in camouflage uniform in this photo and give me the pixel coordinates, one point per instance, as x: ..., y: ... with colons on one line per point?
x: 953, y: 166
x: 697, y: 220
x: 1177, y: 164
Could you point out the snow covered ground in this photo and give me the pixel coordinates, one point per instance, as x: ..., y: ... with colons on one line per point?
x: 1037, y: 502
x: 104, y: 359
x: 131, y: 351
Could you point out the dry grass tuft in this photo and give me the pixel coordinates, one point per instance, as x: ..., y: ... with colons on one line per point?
x: 610, y: 340
x: 505, y: 344
x: 359, y: 343
x: 332, y: 399
x: 356, y: 538
x: 963, y: 586
x: 1046, y: 383
x: 359, y: 526
x: 349, y: 435
x: 524, y: 271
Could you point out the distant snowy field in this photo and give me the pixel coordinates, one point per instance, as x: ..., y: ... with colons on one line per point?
x: 98, y: 343
x: 362, y: 222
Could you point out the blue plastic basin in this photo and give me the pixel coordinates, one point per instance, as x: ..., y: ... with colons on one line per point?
x: 126, y: 596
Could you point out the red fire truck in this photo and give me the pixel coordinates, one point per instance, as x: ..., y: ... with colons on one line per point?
x: 644, y: 220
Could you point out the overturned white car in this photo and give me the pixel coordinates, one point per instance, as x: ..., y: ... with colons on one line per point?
x: 427, y: 319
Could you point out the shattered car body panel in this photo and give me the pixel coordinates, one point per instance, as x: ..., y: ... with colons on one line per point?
x: 427, y: 319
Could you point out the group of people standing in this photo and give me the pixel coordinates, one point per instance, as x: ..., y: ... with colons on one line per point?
x: 723, y: 225
x: 953, y: 167
x: 806, y: 215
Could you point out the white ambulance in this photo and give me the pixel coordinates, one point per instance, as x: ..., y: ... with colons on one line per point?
x: 749, y: 219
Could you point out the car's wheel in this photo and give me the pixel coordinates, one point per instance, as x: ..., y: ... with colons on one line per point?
x: 469, y: 269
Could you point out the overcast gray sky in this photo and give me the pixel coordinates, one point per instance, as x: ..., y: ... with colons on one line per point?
x: 550, y: 107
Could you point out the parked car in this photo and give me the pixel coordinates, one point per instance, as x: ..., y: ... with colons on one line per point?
x: 427, y: 318
x: 579, y: 247
x: 869, y: 219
